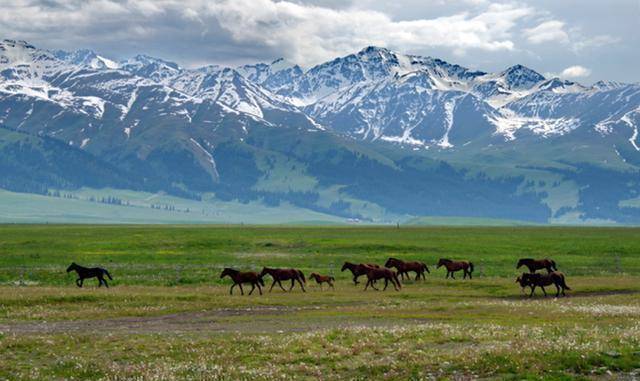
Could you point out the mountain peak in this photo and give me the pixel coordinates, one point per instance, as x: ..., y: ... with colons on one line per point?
x: 521, y: 77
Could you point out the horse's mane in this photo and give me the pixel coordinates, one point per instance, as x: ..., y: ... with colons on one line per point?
x: 232, y: 270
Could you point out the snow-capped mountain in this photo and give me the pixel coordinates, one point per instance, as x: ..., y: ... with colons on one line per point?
x: 367, y: 126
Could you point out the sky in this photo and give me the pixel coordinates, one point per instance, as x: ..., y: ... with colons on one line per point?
x: 580, y: 40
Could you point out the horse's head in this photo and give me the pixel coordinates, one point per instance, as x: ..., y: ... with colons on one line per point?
x: 391, y: 262
x: 225, y: 272
x: 265, y: 270
x: 442, y: 262
x: 71, y: 267
x: 520, y: 263
x: 346, y: 265
x: 313, y: 276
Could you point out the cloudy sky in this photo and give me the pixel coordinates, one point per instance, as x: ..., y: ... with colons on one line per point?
x: 582, y: 40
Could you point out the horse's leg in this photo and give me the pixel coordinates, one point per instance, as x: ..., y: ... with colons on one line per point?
x: 259, y: 288
x: 557, y: 291
x: 253, y: 287
x: 367, y: 285
x: 470, y: 275
x: 452, y: 275
x: 280, y: 284
x: 543, y: 290
x: 533, y: 288
x: 373, y: 284
x: 241, y: 290
x: 231, y: 289
x: 355, y: 280
x: 417, y: 276
x: 292, y: 283
x: 105, y: 282
x: 78, y: 282
x: 386, y: 283
x: 272, y: 284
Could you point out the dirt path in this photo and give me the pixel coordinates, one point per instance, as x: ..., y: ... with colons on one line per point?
x: 246, y: 320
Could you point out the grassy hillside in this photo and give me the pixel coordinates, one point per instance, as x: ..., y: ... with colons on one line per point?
x: 31, y: 208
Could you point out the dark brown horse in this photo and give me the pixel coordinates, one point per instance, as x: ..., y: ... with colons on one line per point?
x: 279, y: 275
x: 405, y: 267
x: 239, y: 277
x: 320, y: 279
x: 453, y: 266
x: 541, y: 280
x: 358, y: 269
x: 536, y: 264
x: 373, y: 274
x: 89, y: 272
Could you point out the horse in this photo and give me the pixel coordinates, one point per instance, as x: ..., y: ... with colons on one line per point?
x: 540, y: 280
x: 279, y: 275
x: 239, y: 277
x: 89, y: 272
x: 404, y: 267
x: 536, y: 264
x: 373, y: 274
x: 453, y: 266
x: 323, y: 279
x: 358, y: 269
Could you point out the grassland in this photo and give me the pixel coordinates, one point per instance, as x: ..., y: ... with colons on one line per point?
x: 169, y: 316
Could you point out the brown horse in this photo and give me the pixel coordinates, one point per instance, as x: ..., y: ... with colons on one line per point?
x: 279, y: 275
x: 243, y: 277
x: 373, y: 274
x: 453, y: 266
x: 536, y: 264
x: 541, y: 280
x: 320, y: 279
x: 89, y: 272
x: 404, y: 267
x: 358, y: 269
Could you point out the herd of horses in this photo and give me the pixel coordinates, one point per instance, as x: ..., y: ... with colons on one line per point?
x: 392, y: 268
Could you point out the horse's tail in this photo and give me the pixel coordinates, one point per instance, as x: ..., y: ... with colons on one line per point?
x: 425, y: 268
x: 563, y: 283
x: 107, y: 274
x: 553, y: 264
x: 302, y: 276
x: 470, y: 267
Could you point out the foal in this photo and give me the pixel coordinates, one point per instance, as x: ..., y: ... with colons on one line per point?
x: 89, y: 272
x: 358, y: 269
x: 243, y: 277
x: 453, y: 266
x: 320, y: 279
x: 279, y: 275
x: 405, y: 267
x: 379, y: 273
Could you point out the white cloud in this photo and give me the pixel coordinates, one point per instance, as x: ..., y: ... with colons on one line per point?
x: 575, y: 71
x: 548, y: 31
x: 311, y: 34
x: 303, y: 33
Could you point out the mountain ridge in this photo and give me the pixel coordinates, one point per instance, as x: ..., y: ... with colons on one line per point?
x: 374, y: 134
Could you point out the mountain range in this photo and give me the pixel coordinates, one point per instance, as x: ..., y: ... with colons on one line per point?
x: 375, y: 135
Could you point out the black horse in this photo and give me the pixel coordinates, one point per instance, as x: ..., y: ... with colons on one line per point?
x: 89, y: 272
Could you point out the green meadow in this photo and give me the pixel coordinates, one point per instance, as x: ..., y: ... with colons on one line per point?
x: 168, y: 315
